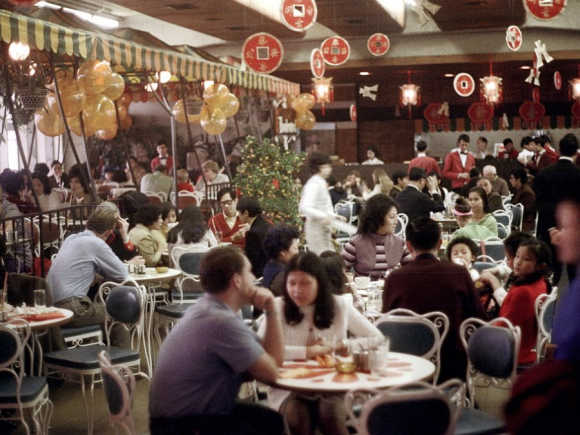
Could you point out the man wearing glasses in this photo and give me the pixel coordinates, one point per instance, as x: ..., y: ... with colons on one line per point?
x: 227, y: 226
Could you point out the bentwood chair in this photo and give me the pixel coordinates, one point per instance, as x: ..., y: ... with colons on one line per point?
x: 124, y: 308
x: 119, y: 386
x: 21, y: 395
x: 492, y: 357
x: 418, y: 334
x: 409, y: 409
x: 545, y: 309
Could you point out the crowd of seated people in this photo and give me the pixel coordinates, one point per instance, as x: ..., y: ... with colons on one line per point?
x: 307, y: 300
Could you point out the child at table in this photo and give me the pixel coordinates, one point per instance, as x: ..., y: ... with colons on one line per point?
x: 309, y: 311
x: 463, y: 251
x: 531, y: 267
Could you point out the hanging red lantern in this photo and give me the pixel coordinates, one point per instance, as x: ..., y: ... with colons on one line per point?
x: 481, y: 115
x: 491, y: 89
x: 532, y: 113
x: 322, y: 90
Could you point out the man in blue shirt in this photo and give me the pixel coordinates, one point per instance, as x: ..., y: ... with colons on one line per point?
x: 207, y: 356
x: 566, y: 330
x: 81, y: 257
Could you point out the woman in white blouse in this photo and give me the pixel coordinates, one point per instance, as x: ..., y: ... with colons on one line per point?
x: 47, y: 199
x: 313, y: 317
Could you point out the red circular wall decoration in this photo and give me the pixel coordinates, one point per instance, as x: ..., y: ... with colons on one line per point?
x: 262, y: 52
x: 335, y: 50
x: 558, y: 80
x: 464, y: 84
x: 378, y: 44
x: 317, y: 65
x: 299, y: 15
x: 514, y: 38
x: 545, y: 10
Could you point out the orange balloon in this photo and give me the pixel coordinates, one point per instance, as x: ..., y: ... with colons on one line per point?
x: 75, y: 125
x: 215, y: 123
x: 115, y: 86
x: 93, y: 76
x: 122, y: 111
x: 303, y: 102
x: 99, y: 113
x: 73, y: 98
x: 305, y: 120
x: 48, y: 119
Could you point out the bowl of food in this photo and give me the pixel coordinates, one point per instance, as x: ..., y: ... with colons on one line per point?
x: 162, y: 269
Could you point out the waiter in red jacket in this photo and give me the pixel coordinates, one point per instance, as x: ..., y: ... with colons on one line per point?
x: 458, y: 163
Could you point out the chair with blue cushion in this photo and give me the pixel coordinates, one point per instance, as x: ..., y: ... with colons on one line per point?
x: 125, y: 305
x: 20, y: 394
x: 418, y: 334
x: 409, y: 409
x: 504, y: 218
x: 493, y: 249
x: 480, y: 266
x: 188, y: 288
x: 517, y: 214
x: 119, y: 386
x: 492, y: 356
x: 545, y: 309
x: 502, y: 231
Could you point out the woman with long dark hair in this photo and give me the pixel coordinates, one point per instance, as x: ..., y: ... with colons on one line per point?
x: 480, y: 208
x: 375, y: 249
x: 191, y: 231
x: 314, y: 319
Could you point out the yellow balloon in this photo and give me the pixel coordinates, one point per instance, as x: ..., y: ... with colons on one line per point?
x: 179, y: 113
x: 48, y: 119
x: 73, y: 98
x: 126, y: 99
x: 98, y: 114
x: 107, y: 133
x: 305, y: 120
x: 93, y: 76
x: 122, y: 111
x: 216, y: 124
x: 115, y: 86
x: 215, y: 89
x: 230, y: 105
x: 75, y: 125
x: 303, y: 102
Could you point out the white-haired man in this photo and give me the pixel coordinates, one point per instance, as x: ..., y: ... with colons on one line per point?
x: 498, y: 184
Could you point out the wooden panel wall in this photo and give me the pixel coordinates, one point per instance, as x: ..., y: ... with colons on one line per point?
x: 346, y: 143
x: 392, y: 139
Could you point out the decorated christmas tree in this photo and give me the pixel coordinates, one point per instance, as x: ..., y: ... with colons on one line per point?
x: 268, y: 173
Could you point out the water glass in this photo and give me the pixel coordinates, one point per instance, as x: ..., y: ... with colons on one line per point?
x: 40, y: 298
x: 378, y: 358
x: 343, y: 357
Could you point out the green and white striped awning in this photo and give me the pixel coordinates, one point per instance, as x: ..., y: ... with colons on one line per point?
x: 84, y: 44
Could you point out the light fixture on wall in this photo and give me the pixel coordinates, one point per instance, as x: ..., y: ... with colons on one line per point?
x: 410, y: 94
x: 491, y: 87
x: 18, y: 51
x: 323, y: 91
x: 575, y: 88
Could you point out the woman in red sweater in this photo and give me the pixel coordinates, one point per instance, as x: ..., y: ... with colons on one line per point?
x: 531, y: 266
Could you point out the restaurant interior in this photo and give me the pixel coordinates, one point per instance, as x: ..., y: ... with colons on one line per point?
x: 339, y: 77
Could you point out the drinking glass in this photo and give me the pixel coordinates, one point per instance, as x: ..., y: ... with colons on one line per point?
x: 40, y: 298
x: 343, y: 357
x: 378, y: 358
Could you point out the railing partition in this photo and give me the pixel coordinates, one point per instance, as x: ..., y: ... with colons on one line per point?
x: 32, y: 239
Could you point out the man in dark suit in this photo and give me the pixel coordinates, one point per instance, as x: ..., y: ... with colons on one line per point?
x: 250, y: 213
x: 426, y: 284
x: 413, y: 202
x: 458, y: 163
x: 523, y: 194
x: 552, y: 185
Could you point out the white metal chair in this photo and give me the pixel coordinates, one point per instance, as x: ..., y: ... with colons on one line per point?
x: 415, y: 408
x: 20, y: 393
x: 502, y: 231
x: 493, y: 249
x: 517, y: 214
x: 125, y: 306
x: 417, y: 334
x: 545, y: 309
x: 119, y: 386
x: 492, y: 358
x: 504, y: 218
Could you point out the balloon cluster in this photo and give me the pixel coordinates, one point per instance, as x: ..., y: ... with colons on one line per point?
x: 90, y: 95
x: 305, y: 119
x: 219, y: 104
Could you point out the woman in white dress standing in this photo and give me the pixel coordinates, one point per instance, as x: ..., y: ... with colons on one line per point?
x: 316, y: 205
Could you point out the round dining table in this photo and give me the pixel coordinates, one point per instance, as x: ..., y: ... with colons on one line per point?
x: 401, y: 368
